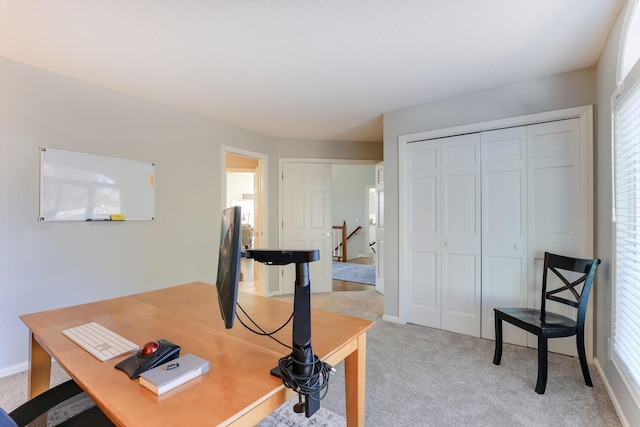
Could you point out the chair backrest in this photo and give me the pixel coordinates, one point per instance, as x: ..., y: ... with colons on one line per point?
x: 578, y: 288
x: 6, y: 420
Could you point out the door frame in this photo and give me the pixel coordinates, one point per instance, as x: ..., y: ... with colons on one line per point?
x: 368, y: 192
x: 260, y: 223
x: 380, y: 237
x: 583, y: 113
x: 283, y: 160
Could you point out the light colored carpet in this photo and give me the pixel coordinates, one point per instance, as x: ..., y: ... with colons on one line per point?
x: 418, y: 376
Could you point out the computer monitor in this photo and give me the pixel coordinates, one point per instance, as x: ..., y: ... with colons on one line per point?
x: 229, y: 264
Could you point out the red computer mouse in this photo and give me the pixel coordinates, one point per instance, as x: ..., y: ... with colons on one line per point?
x: 149, y: 348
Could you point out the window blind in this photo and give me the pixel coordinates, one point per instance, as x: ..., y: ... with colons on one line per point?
x: 626, y: 328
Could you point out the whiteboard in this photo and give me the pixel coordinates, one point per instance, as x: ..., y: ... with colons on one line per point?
x: 82, y: 187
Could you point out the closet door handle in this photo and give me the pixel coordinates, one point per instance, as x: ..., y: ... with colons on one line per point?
x: 516, y: 246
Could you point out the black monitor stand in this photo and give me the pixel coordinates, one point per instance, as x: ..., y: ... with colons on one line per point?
x: 302, y: 354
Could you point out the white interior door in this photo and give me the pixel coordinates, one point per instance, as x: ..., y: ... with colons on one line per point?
x: 444, y: 230
x: 504, y: 228
x: 306, y: 221
x: 461, y: 235
x: 423, y: 233
x: 379, y: 246
x: 556, y: 218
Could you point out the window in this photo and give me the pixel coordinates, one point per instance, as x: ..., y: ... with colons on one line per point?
x: 626, y: 181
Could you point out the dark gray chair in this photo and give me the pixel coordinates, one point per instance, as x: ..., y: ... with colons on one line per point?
x: 65, y: 405
x: 546, y: 324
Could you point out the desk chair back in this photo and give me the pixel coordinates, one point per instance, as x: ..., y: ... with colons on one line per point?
x: 65, y: 405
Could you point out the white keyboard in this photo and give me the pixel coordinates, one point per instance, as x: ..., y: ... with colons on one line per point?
x: 100, y: 341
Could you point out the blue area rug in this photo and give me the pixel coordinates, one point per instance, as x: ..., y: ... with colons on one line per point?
x: 358, y: 273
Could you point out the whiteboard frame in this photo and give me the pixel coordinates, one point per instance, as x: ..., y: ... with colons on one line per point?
x: 73, y: 182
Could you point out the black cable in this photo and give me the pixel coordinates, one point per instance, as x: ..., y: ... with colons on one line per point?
x: 316, y: 382
x: 262, y: 332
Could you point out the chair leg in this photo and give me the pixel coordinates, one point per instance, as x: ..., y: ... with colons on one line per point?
x: 583, y: 357
x: 541, y: 385
x: 497, y: 354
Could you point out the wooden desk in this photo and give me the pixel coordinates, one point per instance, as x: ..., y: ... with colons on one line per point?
x: 237, y: 391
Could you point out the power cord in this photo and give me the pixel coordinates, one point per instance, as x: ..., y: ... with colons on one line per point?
x: 311, y: 385
x: 261, y: 331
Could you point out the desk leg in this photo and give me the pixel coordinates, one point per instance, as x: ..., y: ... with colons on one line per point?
x: 39, y: 369
x: 355, y: 378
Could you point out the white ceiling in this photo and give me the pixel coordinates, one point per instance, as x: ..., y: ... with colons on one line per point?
x: 304, y: 69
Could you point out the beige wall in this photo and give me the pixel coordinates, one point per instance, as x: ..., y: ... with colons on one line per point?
x: 606, y: 77
x: 55, y: 264
x: 308, y: 149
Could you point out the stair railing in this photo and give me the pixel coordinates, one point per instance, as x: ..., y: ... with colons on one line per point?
x: 340, y: 241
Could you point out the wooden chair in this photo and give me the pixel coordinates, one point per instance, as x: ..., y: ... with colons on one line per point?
x: 65, y: 405
x: 546, y: 324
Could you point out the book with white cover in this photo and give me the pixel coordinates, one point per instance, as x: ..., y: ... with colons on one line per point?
x: 176, y: 372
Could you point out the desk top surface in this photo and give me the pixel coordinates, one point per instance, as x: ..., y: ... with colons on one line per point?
x: 189, y: 316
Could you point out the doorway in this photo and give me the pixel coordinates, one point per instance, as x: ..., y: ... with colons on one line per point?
x: 244, y: 188
x: 344, y: 196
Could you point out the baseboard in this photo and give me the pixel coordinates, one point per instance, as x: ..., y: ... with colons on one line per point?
x: 5, y: 372
x: 392, y: 319
x: 612, y: 395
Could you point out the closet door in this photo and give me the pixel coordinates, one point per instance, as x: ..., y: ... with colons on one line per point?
x: 557, y: 221
x: 444, y: 230
x: 504, y: 228
x: 423, y: 241
x: 461, y: 289
x: 472, y: 223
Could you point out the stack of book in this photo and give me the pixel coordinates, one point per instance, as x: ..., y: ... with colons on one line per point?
x: 172, y: 374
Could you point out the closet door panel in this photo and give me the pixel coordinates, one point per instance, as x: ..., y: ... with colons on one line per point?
x: 423, y: 300
x: 504, y: 228
x: 461, y: 310
x: 556, y: 223
x: 555, y: 220
x: 460, y: 293
x: 424, y: 297
x: 460, y: 206
x: 552, y: 205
